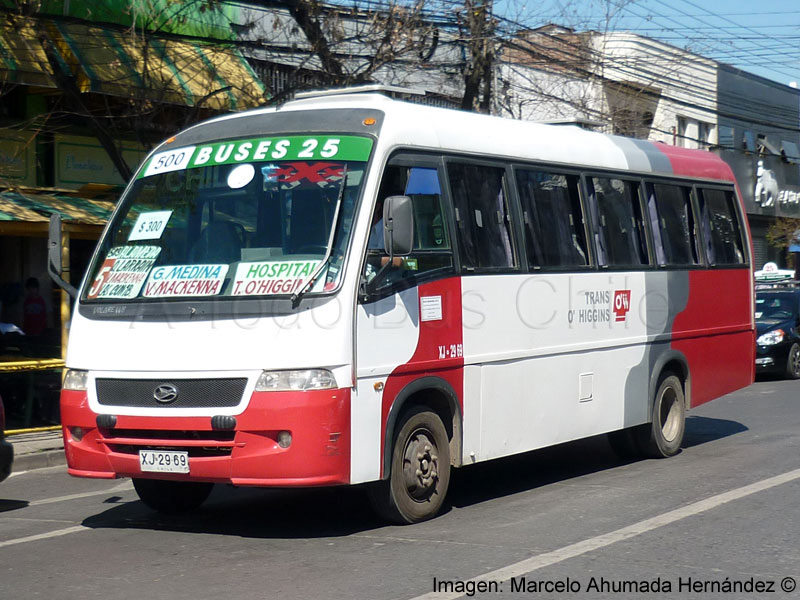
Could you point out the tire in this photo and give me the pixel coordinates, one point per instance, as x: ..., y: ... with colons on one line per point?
x: 663, y: 436
x: 420, y: 470
x: 793, y: 362
x: 172, y: 497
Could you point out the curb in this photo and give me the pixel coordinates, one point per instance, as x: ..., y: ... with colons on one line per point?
x: 39, y: 460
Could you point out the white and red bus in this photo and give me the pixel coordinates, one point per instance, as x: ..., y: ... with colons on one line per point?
x: 352, y: 289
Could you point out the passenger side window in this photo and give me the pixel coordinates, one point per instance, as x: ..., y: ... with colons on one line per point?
x: 670, y: 212
x: 619, y: 226
x: 482, y: 216
x: 551, y: 212
x: 432, y: 249
x: 721, y: 234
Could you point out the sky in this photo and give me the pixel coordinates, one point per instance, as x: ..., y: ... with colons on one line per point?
x: 758, y: 36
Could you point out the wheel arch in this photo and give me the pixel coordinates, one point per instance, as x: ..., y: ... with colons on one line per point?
x: 434, y: 393
x: 674, y: 362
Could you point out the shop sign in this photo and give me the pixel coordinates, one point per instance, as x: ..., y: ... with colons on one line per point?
x: 18, y: 157
x: 82, y: 160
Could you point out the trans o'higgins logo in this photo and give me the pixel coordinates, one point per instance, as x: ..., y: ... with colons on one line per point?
x: 599, y: 306
x: 622, y: 304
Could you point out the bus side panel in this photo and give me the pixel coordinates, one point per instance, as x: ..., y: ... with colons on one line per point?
x: 557, y: 357
x: 413, y: 334
x: 439, y: 351
x: 716, y: 334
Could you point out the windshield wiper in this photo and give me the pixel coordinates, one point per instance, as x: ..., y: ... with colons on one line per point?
x: 329, y: 249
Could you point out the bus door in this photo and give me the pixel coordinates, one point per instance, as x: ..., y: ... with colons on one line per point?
x: 409, y: 308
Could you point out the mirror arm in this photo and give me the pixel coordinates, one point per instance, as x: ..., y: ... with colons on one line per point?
x: 388, y: 263
x: 54, y: 250
x: 59, y: 281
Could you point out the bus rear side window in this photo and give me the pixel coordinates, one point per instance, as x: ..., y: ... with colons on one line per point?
x: 551, y: 212
x: 482, y: 216
x: 671, y: 217
x: 721, y: 234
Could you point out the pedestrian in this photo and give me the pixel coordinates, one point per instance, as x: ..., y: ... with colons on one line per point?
x: 34, y: 310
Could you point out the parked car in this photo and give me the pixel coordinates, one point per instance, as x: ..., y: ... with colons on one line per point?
x: 6, y: 449
x: 777, y: 322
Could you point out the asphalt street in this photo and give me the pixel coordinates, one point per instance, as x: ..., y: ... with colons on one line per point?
x: 720, y: 520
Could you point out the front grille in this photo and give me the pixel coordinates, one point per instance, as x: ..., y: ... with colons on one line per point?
x: 193, y: 451
x: 196, y: 443
x: 110, y: 435
x: 191, y: 393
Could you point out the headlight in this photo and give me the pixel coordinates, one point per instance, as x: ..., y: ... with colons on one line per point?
x: 75, y: 380
x: 771, y: 337
x: 307, y: 379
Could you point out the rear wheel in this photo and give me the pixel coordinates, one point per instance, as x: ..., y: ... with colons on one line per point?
x: 793, y: 362
x: 172, y: 497
x: 664, y: 435
x: 420, y: 470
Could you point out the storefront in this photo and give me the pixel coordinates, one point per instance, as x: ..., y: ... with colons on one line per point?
x: 770, y: 187
x: 34, y: 314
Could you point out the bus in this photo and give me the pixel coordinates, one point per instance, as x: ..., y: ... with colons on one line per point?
x: 354, y: 289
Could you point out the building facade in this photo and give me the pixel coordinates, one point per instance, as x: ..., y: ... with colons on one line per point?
x: 631, y: 85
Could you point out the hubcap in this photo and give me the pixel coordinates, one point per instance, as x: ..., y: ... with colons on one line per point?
x: 795, y: 360
x: 670, y: 414
x: 420, y: 465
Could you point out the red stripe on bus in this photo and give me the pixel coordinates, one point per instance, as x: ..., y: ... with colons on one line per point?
x: 696, y: 163
x: 718, y: 364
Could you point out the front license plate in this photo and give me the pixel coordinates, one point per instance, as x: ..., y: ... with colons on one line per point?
x: 163, y: 461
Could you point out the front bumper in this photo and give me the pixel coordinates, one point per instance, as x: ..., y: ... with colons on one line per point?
x: 6, y: 459
x: 319, y: 454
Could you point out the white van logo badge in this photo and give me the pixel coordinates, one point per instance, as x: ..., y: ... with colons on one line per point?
x: 165, y: 393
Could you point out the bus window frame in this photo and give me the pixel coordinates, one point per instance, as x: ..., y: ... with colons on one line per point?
x: 521, y: 262
x: 689, y: 185
x: 743, y: 239
x: 591, y: 261
x: 407, y: 157
x: 643, y: 226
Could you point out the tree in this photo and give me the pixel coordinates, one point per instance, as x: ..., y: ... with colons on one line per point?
x: 154, y: 66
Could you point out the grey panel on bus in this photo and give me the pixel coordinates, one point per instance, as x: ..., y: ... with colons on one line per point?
x: 643, y: 156
x: 344, y: 120
x: 667, y: 296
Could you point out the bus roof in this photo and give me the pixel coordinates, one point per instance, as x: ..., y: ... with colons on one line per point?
x: 406, y: 124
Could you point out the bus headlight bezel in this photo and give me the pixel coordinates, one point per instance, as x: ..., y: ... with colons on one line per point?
x: 295, y: 380
x: 76, y: 380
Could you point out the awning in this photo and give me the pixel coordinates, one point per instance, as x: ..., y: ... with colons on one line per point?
x: 125, y: 63
x: 37, y: 208
x: 22, y: 59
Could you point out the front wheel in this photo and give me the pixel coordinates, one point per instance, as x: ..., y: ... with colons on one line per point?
x: 172, y: 497
x: 664, y: 435
x: 793, y: 362
x: 420, y: 470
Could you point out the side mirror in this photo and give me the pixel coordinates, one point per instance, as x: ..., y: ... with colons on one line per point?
x: 55, y: 266
x: 398, y: 225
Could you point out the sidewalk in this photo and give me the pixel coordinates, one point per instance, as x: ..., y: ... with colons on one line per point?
x: 37, y: 450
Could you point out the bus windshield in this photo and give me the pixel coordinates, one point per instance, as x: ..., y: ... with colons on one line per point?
x: 216, y: 223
